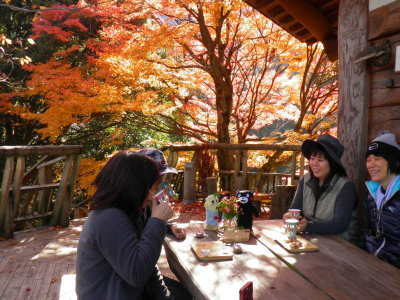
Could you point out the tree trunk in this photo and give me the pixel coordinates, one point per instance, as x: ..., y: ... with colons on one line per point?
x: 224, y: 100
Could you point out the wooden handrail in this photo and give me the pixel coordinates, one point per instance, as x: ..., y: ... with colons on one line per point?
x: 40, y: 150
x: 222, y: 146
x: 38, y: 187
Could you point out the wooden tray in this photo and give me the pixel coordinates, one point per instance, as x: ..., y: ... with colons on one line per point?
x: 212, y: 251
x: 306, y: 246
x: 237, y: 235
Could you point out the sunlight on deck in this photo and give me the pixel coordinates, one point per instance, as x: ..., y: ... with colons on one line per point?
x: 67, y: 287
x: 55, y: 249
x: 39, y: 264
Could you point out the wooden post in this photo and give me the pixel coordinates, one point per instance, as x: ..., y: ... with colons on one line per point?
x: 44, y: 195
x: 18, y: 178
x: 281, y: 200
x: 211, y: 185
x: 189, y: 193
x: 237, y: 175
x: 61, y: 208
x: 354, y: 87
x: 294, y: 165
x: 172, y: 158
x: 301, y: 165
x: 6, y: 206
x: 244, y: 169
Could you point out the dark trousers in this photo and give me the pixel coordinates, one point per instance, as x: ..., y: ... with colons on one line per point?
x: 177, y: 289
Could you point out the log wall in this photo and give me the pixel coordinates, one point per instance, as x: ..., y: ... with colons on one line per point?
x: 384, y: 106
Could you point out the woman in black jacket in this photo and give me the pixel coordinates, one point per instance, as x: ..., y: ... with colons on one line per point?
x: 382, y: 234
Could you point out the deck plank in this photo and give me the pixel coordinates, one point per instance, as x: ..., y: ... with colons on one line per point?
x: 32, y: 265
x: 47, y: 257
x: 13, y: 287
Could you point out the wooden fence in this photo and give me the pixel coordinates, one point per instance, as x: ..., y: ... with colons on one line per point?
x: 242, y: 177
x: 36, y: 194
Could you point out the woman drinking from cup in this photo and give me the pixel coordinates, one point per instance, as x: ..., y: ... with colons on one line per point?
x: 383, y: 202
x: 121, y: 240
x: 325, y: 196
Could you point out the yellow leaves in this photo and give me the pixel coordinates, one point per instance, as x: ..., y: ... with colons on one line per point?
x: 25, y: 60
x: 89, y: 168
x: 4, y: 40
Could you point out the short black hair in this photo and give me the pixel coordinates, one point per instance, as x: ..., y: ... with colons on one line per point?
x: 335, y: 168
x: 124, y: 182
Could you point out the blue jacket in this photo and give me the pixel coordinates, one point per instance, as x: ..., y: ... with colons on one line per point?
x: 383, y: 224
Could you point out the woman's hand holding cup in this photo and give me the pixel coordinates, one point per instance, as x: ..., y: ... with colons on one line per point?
x: 162, y: 210
x: 292, y: 213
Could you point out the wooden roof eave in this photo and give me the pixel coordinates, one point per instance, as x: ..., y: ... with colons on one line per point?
x: 304, y: 13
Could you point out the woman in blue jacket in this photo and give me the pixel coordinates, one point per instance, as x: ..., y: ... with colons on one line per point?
x: 383, y: 202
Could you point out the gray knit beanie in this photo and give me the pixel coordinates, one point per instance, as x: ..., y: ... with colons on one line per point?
x: 386, y: 146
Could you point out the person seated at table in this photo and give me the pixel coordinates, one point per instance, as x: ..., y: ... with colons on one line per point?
x: 382, y: 205
x: 119, y: 245
x: 160, y: 160
x: 326, y: 197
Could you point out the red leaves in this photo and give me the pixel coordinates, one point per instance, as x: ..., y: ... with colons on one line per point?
x: 61, y: 22
x: 190, y: 211
x: 75, y: 23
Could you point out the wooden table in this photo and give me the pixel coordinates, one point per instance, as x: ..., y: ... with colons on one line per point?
x: 340, y: 269
x: 271, y: 277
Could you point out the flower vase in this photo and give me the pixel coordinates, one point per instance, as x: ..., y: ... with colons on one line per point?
x: 231, y: 232
x: 230, y: 224
x: 229, y: 229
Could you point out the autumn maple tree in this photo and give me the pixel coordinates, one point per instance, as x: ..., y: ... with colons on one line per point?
x: 208, y: 70
x: 218, y: 67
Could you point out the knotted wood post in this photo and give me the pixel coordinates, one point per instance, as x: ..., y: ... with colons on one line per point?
x: 189, y: 192
x: 18, y: 178
x: 211, y: 185
x: 62, y: 207
x: 281, y: 200
x: 6, y: 205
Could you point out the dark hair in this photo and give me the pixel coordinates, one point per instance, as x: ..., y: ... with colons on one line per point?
x: 334, y: 167
x: 124, y: 182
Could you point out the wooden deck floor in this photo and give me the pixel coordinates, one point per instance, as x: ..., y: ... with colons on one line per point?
x: 39, y: 264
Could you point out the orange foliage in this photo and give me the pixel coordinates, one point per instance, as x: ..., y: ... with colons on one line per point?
x: 89, y: 168
x: 200, y: 65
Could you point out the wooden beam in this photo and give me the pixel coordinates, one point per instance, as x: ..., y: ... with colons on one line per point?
x: 40, y: 150
x: 263, y: 4
x: 33, y: 217
x: 40, y: 187
x: 331, y: 47
x: 384, y: 21
x: 329, y: 4
x: 51, y: 162
x: 309, y: 16
x: 232, y: 147
x: 354, y: 87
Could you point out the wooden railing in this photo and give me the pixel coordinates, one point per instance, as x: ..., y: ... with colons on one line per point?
x: 241, y: 177
x: 36, y: 194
